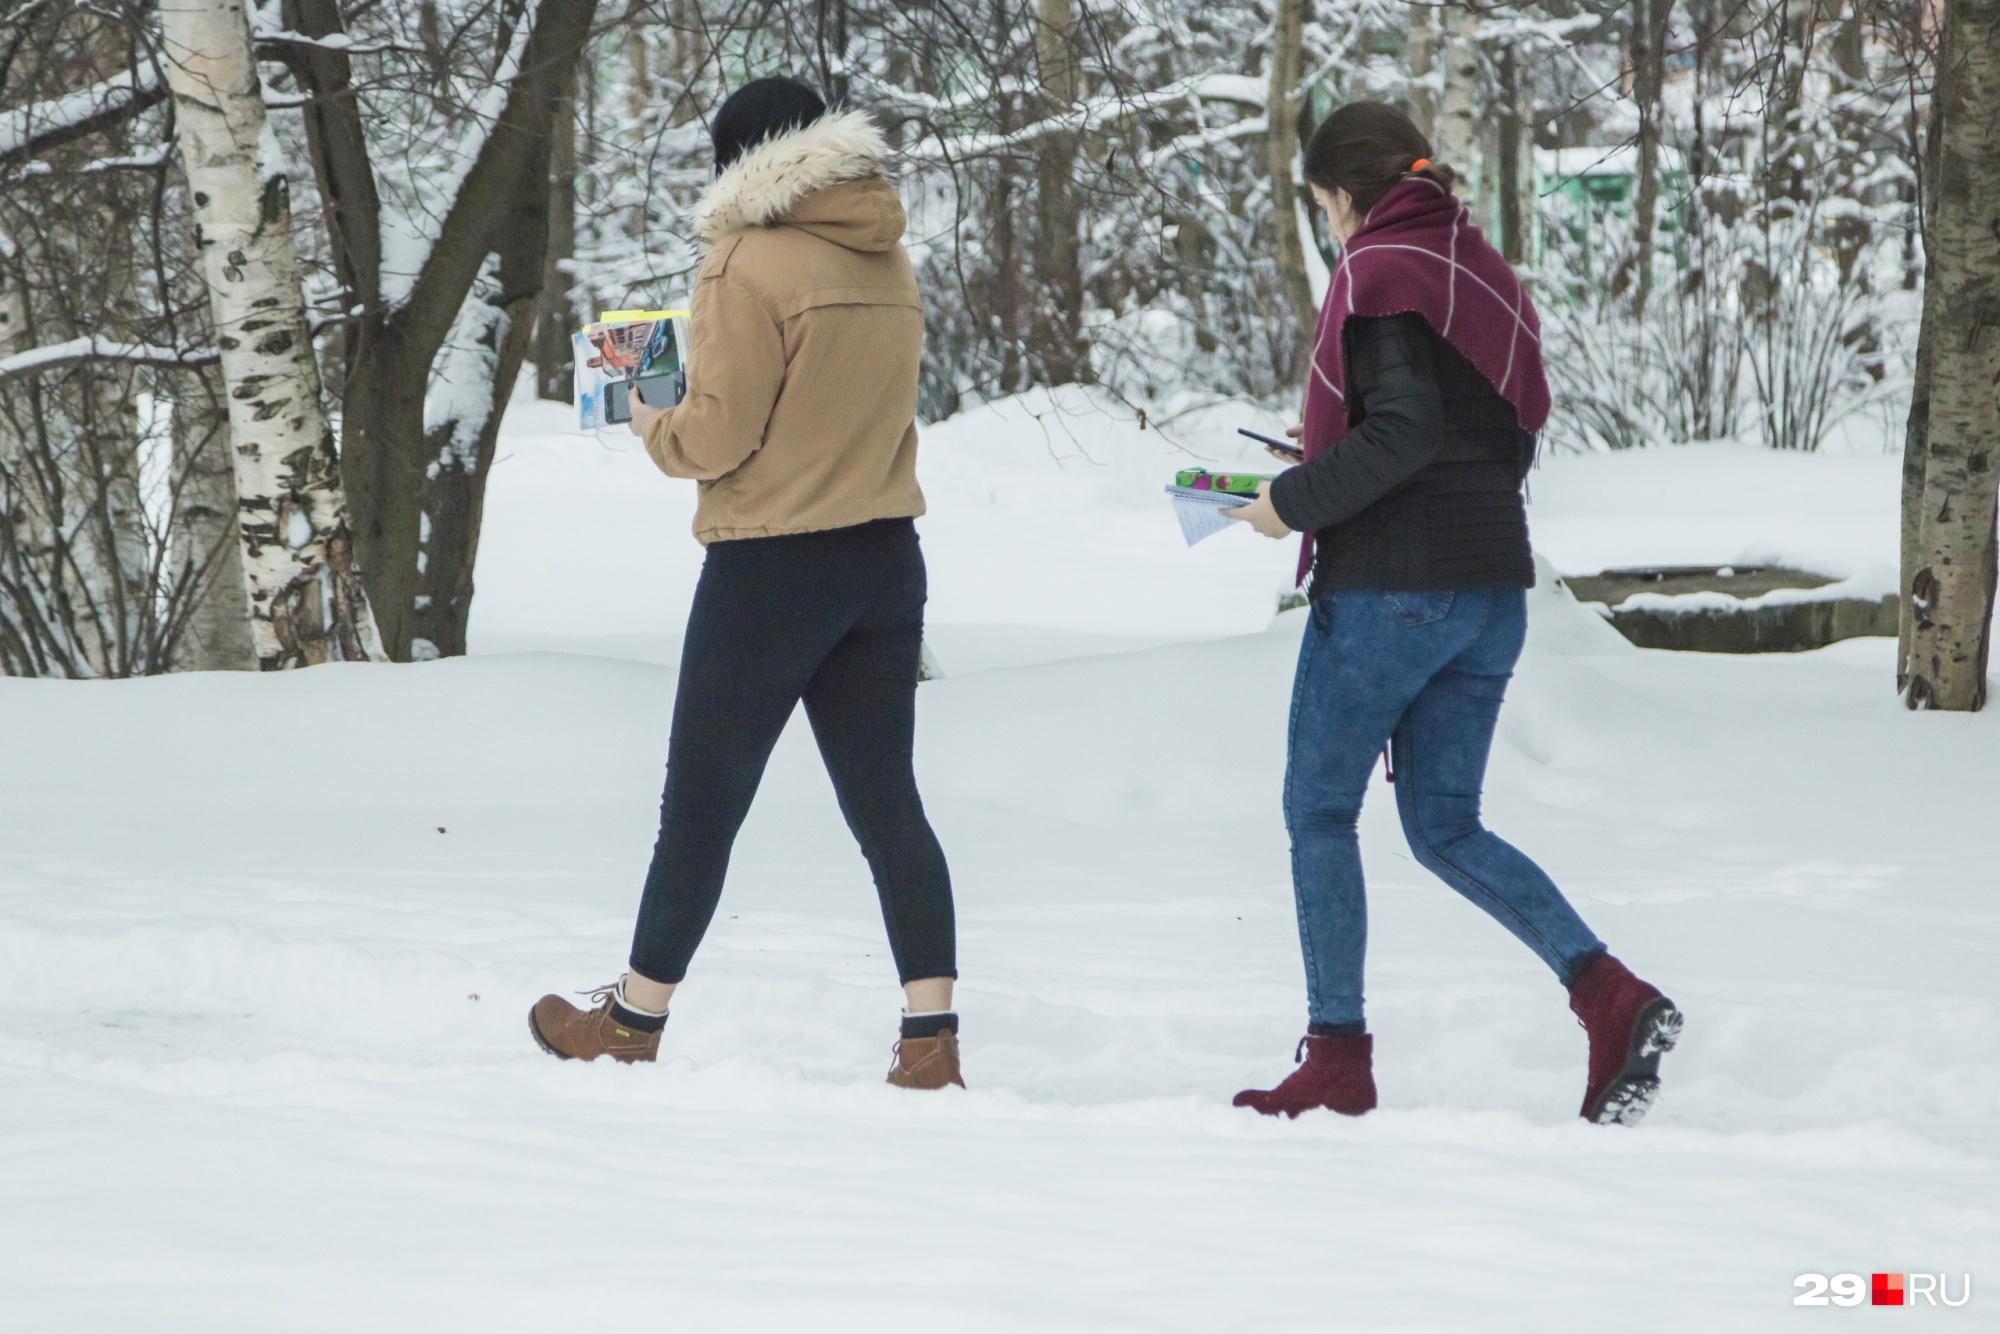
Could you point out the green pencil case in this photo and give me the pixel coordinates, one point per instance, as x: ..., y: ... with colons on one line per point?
x: 1235, y: 483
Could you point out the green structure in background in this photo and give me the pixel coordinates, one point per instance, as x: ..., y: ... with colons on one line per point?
x: 1578, y: 189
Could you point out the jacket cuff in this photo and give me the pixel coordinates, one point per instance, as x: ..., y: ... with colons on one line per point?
x: 655, y: 441
x: 1287, y: 500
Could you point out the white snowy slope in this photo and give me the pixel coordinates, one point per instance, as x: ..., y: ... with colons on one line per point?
x: 264, y: 1064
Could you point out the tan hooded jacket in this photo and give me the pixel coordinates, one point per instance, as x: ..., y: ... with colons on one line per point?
x: 805, y: 332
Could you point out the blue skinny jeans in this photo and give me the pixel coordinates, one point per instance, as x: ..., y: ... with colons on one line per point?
x: 1423, y: 672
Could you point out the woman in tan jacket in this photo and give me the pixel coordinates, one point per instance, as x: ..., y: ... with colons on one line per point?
x: 799, y: 428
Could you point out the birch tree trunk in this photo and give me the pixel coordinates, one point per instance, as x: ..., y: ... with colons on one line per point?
x: 112, y: 439
x: 305, y: 594
x: 1512, y: 161
x: 21, y: 536
x: 77, y: 529
x: 1950, y: 605
x: 109, y: 533
x: 1422, y: 47
x: 208, y: 554
x: 1916, y: 450
x: 1281, y: 146
x: 1457, y: 137
x: 1917, y: 432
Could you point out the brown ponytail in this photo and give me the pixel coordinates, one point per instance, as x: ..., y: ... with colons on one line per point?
x: 1366, y: 148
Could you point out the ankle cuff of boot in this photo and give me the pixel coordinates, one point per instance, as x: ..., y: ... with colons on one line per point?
x: 929, y: 1025
x: 635, y: 1018
x: 1353, y: 1030
x: 643, y: 1023
x: 1574, y: 970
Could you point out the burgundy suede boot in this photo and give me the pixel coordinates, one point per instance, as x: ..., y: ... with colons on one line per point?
x: 1631, y: 1025
x: 1337, y: 1074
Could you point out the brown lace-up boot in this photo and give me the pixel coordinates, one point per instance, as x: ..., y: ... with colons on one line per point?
x: 610, y: 1029
x: 927, y: 1053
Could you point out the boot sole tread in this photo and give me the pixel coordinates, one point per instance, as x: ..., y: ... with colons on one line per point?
x: 1633, y: 1090
x: 535, y: 1030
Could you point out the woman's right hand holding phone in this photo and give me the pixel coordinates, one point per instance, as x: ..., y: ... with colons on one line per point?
x: 1291, y: 433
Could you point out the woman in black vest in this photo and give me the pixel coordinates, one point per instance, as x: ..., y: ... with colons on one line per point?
x: 1426, y: 387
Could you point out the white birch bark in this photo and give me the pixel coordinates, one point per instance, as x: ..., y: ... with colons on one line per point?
x: 1949, y: 609
x: 306, y: 599
x: 114, y: 561
x: 31, y: 579
x: 1423, y: 97
x: 107, y: 524
x: 1457, y: 137
x: 13, y: 339
x: 207, y: 552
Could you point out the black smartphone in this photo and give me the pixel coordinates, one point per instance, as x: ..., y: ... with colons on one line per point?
x: 1292, y: 452
x: 655, y: 391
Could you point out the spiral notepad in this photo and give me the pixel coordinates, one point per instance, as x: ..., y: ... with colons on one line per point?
x: 1200, y: 510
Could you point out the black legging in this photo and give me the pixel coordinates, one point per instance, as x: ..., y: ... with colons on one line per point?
x: 836, y: 619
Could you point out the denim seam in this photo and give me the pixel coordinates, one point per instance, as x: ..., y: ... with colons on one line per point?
x: 1291, y: 752
x: 1416, y: 826
x: 1509, y: 910
x: 1487, y: 893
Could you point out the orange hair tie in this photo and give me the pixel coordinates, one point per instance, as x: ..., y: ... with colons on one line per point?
x: 1420, y: 164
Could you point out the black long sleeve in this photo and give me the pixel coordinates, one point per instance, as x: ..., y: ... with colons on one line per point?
x: 1425, y: 490
x: 1392, y: 376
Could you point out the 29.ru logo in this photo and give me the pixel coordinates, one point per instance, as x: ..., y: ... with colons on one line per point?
x: 1886, y: 1290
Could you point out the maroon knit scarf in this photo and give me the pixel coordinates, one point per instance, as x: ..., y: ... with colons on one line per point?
x: 1418, y: 250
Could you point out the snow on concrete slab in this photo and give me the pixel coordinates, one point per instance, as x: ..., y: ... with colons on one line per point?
x: 264, y: 1046
x: 1833, y: 513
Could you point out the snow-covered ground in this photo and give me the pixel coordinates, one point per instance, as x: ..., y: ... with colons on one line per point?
x: 264, y: 1066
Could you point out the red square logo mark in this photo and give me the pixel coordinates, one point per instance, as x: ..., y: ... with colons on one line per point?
x: 1888, y: 1290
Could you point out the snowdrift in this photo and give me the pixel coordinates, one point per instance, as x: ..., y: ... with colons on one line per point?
x: 266, y: 1066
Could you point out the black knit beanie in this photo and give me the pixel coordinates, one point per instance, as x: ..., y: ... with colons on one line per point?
x: 761, y: 110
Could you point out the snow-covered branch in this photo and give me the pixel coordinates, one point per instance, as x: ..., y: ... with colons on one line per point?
x: 152, y: 158
x: 97, y: 348
x: 938, y: 106
x: 40, y: 126
x: 1250, y: 127
x: 1093, y: 114
x: 270, y: 44
x: 407, y: 236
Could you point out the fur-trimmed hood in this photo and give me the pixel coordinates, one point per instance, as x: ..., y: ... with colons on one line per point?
x: 771, y: 182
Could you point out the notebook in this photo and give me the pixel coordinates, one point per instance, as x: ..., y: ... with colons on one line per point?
x: 1200, y: 510
x: 1200, y: 497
